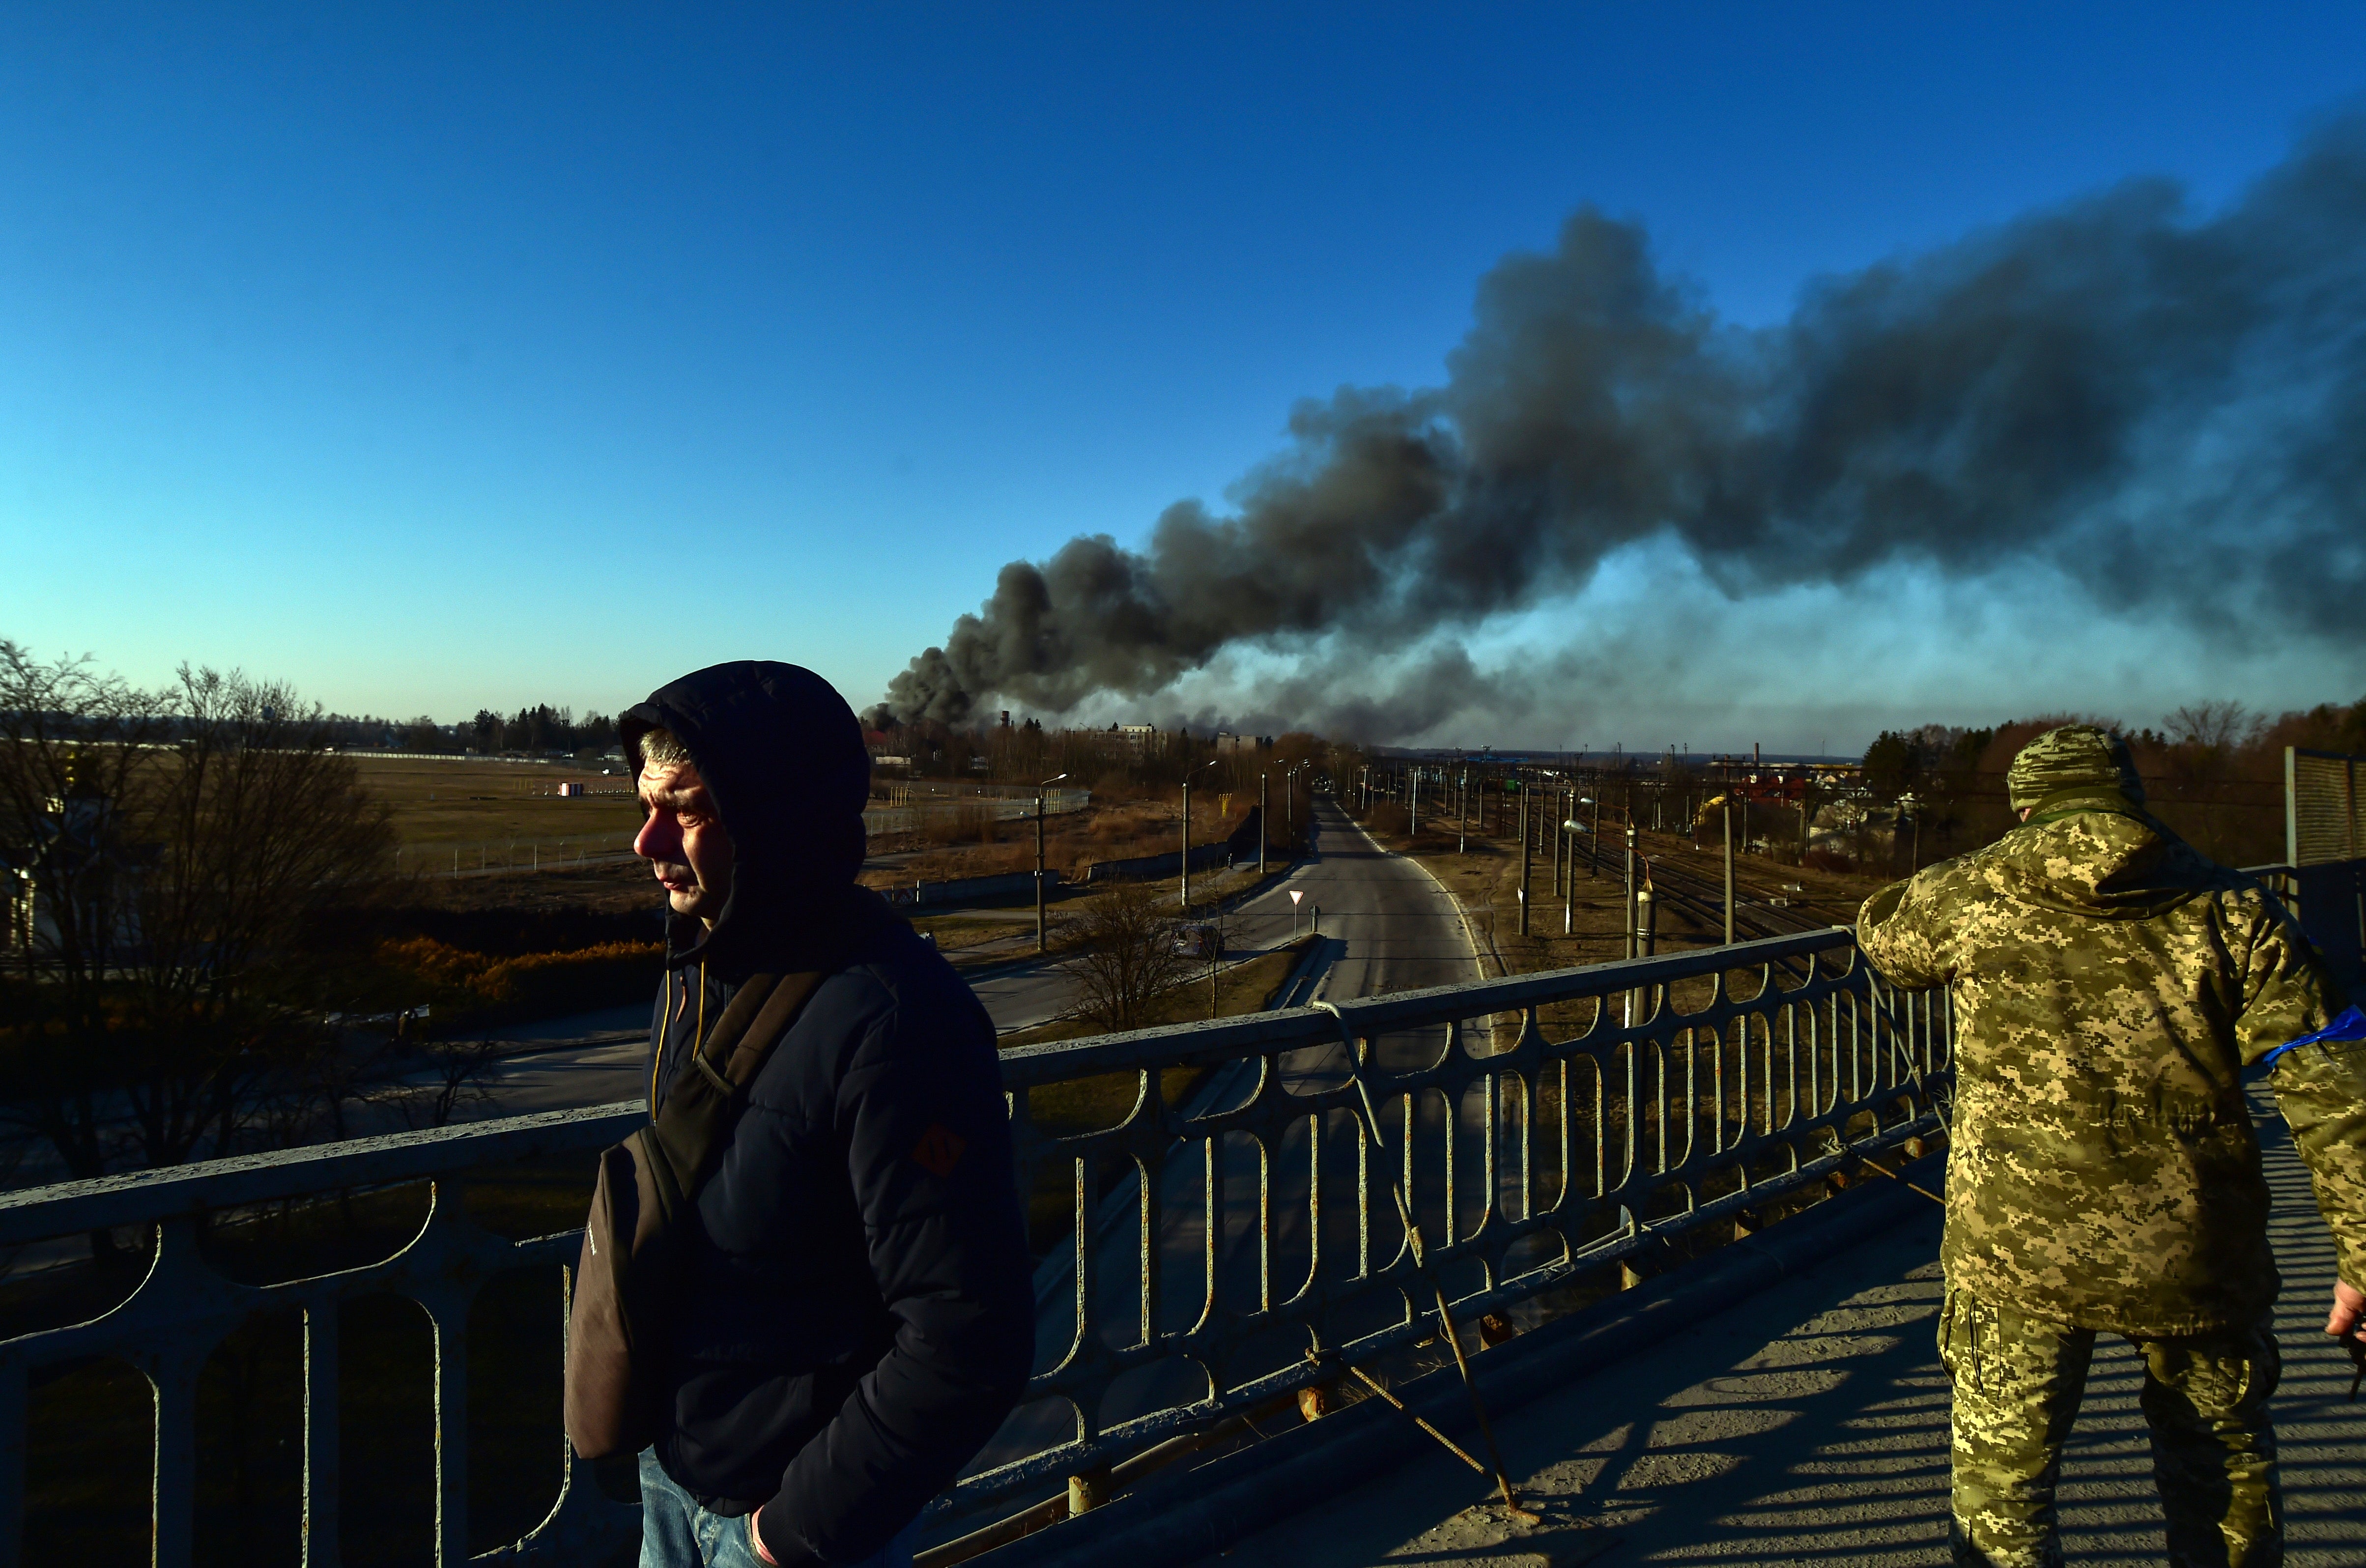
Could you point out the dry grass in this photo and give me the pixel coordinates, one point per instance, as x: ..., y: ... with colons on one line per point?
x: 967, y: 843
x: 1240, y: 989
x: 470, y: 803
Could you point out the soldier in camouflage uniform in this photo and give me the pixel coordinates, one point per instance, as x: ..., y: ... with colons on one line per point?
x: 2110, y: 986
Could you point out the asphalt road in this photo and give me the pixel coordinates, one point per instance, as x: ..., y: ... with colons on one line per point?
x: 1388, y: 927
x: 1808, y: 1424
x: 1393, y: 930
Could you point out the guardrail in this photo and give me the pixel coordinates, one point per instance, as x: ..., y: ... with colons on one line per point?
x: 1542, y: 1126
x: 502, y: 857
x: 911, y: 816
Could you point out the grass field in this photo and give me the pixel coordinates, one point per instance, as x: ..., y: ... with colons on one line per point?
x: 492, y: 812
x: 472, y: 802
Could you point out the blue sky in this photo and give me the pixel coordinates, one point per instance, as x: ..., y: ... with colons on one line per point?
x: 434, y: 359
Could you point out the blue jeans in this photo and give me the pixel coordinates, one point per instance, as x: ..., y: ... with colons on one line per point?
x: 677, y: 1533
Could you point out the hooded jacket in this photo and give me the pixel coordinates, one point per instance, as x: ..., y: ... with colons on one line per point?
x: 860, y: 1319
x: 2110, y: 986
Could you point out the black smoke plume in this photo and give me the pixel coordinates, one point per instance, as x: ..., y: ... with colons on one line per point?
x: 2169, y: 411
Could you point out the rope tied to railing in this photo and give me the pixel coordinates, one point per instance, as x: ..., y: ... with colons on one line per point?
x: 1420, y: 1264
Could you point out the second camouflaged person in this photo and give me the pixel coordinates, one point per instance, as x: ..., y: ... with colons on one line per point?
x: 2110, y: 986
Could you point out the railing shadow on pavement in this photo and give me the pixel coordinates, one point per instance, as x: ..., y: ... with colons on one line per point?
x: 1543, y: 1127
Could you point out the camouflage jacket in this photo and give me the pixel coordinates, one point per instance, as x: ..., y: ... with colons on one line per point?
x: 2110, y: 985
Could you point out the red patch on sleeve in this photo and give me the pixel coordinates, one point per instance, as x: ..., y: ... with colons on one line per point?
x: 939, y: 1150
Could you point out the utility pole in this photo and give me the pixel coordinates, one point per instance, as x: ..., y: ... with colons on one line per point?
x: 1728, y: 871
x: 1524, y: 862
x: 1215, y: 951
x: 1412, y: 812
x: 1556, y: 835
x: 1630, y: 888
x: 1187, y: 835
x: 1642, y: 938
x: 1567, y: 829
x: 1040, y: 788
x: 1265, y: 822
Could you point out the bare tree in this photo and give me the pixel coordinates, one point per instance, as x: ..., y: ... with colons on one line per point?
x: 2216, y: 727
x: 177, y: 848
x: 455, y: 1077
x: 1125, y: 955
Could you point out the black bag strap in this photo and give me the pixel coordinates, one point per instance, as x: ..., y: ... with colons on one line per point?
x: 705, y: 1099
x: 704, y: 1102
x: 760, y: 1012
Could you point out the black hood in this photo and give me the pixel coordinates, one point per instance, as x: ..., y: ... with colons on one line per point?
x: 782, y: 759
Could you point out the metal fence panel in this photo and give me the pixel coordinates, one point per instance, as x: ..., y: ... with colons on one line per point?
x: 1233, y: 1212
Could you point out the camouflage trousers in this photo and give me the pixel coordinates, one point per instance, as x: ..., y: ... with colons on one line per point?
x: 2017, y: 1381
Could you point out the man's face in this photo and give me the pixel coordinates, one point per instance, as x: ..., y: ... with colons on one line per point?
x: 683, y: 840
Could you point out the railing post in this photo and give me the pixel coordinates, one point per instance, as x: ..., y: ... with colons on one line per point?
x: 320, y: 1416
x: 12, y: 1464
x: 447, y: 1310
x: 172, y: 1483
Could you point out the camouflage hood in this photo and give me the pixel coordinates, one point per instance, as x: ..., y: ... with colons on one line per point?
x: 2095, y: 852
x: 2108, y: 988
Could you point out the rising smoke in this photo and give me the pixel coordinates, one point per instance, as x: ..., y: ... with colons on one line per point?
x: 2169, y: 413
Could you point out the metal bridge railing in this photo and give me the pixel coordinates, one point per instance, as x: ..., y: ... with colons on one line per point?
x: 1238, y: 1213
x: 1229, y: 1213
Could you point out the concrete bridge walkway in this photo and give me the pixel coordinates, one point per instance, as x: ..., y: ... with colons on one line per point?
x: 1808, y: 1425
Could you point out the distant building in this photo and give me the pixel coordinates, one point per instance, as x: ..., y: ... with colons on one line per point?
x: 1140, y: 739
x: 74, y: 844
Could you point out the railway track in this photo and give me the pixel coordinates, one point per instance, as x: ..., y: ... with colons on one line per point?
x: 1753, y: 914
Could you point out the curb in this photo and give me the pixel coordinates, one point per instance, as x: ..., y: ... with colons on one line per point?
x: 1202, y: 1512
x: 995, y: 968
x: 1470, y: 937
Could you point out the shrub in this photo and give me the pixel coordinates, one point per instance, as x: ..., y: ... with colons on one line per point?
x: 482, y: 986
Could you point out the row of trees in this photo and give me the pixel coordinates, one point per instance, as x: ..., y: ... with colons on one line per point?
x: 1114, y: 764
x: 2213, y: 771
x: 541, y: 730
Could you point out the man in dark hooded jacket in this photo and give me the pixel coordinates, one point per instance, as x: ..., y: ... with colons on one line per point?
x: 859, y: 1319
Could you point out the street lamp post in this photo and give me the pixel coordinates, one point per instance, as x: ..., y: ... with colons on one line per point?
x: 1040, y: 788
x: 1265, y: 822
x: 1187, y: 834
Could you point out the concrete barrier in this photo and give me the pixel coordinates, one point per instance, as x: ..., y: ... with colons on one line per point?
x: 1150, y: 868
x: 1014, y: 888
